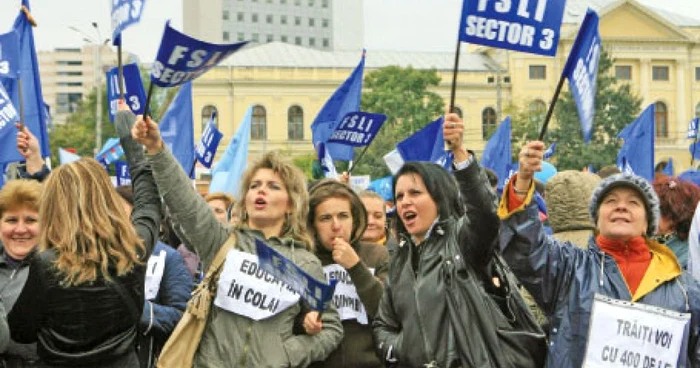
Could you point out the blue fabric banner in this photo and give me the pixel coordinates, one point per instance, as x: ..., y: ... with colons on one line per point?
x: 314, y: 292
x: 9, y: 54
x: 550, y: 151
x: 209, y: 143
x: 637, y: 151
x: 182, y: 58
x: 693, y: 128
x: 382, y: 186
x: 357, y: 129
x: 177, y: 128
x: 527, y: 26
x: 226, y: 175
x: 497, y: 154
x: 344, y: 100
x: 668, y: 170
x: 427, y: 144
x: 110, y: 152
x: 34, y: 115
x: 66, y: 157
x: 125, y: 13
x: 582, y: 71
x: 8, y: 114
x: 123, y: 176
x: 134, y: 94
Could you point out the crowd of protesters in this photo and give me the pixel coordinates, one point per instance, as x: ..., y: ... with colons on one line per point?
x: 97, y: 276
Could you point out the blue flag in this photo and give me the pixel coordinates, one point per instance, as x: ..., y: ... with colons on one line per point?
x: 693, y: 128
x: 314, y: 292
x: 9, y: 54
x: 2, y: 175
x: 695, y: 149
x: 8, y: 115
x: 427, y: 144
x: 226, y: 175
x: 177, y: 128
x: 527, y: 26
x: 209, y: 143
x: 34, y: 117
x: 123, y: 176
x: 357, y: 129
x: 110, y: 152
x: 125, y: 13
x: 582, y: 71
x: 497, y: 154
x: 344, y: 100
x: 182, y: 58
x: 382, y: 187
x: 66, y: 157
x: 637, y: 151
x: 134, y: 93
x: 668, y: 170
x: 550, y: 151
x: 326, y: 160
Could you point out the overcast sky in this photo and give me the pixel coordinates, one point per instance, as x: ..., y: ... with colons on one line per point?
x: 410, y: 25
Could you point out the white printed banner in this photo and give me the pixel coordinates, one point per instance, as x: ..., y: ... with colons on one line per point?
x: 345, y: 299
x: 154, y: 274
x: 626, y: 334
x: 247, y: 290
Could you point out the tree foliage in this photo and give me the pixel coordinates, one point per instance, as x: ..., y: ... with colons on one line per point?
x: 403, y: 95
x: 616, y: 105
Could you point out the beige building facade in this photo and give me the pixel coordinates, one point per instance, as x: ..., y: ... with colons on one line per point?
x: 656, y: 52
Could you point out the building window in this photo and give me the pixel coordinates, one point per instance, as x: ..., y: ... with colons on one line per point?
x: 324, y: 3
x: 697, y: 110
x: 659, y: 73
x: 268, y: 19
x: 256, y: 37
x: 295, y: 123
x: 312, y: 42
x: 225, y: 15
x: 240, y: 17
x: 283, y: 19
x: 254, y: 18
x: 326, y: 43
x: 312, y: 22
x: 69, y: 62
x: 297, y: 21
x: 258, y: 126
x: 270, y: 38
x: 458, y: 111
x: 72, y: 74
x: 537, y: 110
x: 324, y: 23
x: 488, y: 122
x: 538, y: 72
x: 623, y: 72
x: 206, y: 116
x: 283, y: 38
x: 297, y: 40
x: 68, y: 102
x: 661, y: 119
x: 69, y: 84
x: 241, y: 36
x: 697, y: 73
x: 225, y: 36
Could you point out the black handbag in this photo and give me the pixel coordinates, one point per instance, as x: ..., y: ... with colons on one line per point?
x: 491, y: 329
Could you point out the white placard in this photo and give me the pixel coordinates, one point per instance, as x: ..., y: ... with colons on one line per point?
x: 345, y: 299
x: 154, y: 274
x: 626, y: 334
x: 359, y: 182
x: 247, y: 290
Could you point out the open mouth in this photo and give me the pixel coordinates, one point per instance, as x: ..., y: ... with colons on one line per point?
x: 260, y: 203
x: 409, y: 217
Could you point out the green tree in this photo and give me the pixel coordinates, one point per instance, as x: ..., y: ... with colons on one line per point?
x: 615, y: 107
x: 403, y: 94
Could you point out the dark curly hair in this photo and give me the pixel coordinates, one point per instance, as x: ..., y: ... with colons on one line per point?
x: 677, y: 200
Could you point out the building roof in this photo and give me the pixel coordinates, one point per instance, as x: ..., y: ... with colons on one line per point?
x: 284, y: 55
x: 576, y: 10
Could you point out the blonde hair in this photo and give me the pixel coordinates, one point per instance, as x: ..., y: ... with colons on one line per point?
x: 221, y: 196
x: 18, y: 194
x: 295, y: 183
x: 83, y: 220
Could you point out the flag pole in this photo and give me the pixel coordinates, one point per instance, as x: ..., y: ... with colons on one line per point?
x: 453, y: 91
x: 121, y: 71
x: 354, y: 163
x: 550, y: 110
x: 21, y: 103
x: 695, y: 142
x: 146, y: 109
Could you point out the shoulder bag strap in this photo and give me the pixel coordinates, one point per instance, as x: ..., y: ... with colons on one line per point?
x: 220, y: 258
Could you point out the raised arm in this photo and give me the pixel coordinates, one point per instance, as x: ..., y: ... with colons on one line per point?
x: 187, y: 207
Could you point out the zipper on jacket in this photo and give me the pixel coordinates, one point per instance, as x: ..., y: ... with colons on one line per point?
x: 426, y: 344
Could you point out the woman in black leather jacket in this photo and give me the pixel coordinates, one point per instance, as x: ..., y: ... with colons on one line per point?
x: 413, y: 327
x: 84, y: 294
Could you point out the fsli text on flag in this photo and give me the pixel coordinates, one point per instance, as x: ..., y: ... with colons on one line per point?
x: 125, y: 13
x: 521, y: 25
x: 134, y: 93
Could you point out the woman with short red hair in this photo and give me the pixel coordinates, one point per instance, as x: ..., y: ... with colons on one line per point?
x: 677, y: 201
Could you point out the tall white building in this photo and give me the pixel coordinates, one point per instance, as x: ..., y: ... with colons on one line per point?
x: 331, y: 25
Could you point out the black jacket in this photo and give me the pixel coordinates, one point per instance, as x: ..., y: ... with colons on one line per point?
x: 90, y: 324
x: 412, y: 328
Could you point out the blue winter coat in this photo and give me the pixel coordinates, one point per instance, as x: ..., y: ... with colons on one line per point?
x: 563, y: 279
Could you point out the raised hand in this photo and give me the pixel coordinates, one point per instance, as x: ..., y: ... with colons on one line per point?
x: 146, y: 132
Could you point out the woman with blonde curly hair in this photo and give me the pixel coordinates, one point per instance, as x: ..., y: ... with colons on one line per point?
x: 251, y: 320
x: 84, y: 294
